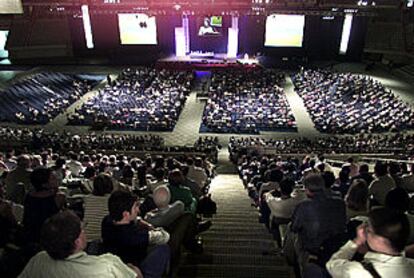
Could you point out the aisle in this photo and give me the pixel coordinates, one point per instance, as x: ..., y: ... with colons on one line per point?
x: 303, y: 120
x: 234, y: 245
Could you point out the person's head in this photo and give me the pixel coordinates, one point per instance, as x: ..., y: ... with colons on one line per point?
x: 176, y: 178
x: 206, y: 22
x: 344, y: 175
x: 123, y: 205
x: 60, y: 162
x: 357, y: 196
x: 102, y: 184
x: 23, y: 161
x: 398, y: 199
x: 275, y: 175
x: 321, y: 167
x: 73, y: 156
x: 329, y: 179
x: 387, y: 229
x: 380, y: 169
x: 90, y: 172
x: 198, y: 162
x: 286, y: 186
x: 394, y: 169
x: 62, y: 235
x: 314, y: 184
x: 364, y: 168
x: 43, y: 179
x: 161, y: 196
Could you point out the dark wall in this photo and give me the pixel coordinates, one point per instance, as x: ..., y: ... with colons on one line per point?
x: 107, y: 40
x: 321, y: 38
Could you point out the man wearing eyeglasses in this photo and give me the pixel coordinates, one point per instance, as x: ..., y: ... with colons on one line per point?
x: 382, y: 241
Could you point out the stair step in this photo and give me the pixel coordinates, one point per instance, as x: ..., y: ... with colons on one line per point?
x: 226, y: 259
x: 242, y: 242
x: 239, y: 235
x: 241, y: 271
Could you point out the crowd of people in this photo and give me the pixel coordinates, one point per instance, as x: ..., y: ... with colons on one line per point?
x: 94, y: 214
x: 342, y: 103
x: 398, y: 144
x: 139, y: 99
x: 240, y: 102
x: 334, y: 225
x: 43, y: 96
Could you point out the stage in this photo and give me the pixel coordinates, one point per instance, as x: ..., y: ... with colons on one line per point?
x: 207, y: 61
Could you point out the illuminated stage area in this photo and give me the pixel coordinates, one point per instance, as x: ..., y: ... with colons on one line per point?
x: 210, y: 61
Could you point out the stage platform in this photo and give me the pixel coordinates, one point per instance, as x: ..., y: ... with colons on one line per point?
x: 212, y: 61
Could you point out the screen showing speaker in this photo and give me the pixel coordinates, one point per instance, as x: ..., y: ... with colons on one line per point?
x: 210, y: 26
x: 137, y: 29
x: 11, y: 7
x: 284, y: 30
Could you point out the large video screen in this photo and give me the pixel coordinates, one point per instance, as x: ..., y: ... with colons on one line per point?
x: 284, y: 30
x: 137, y: 29
x: 210, y: 26
x: 11, y: 7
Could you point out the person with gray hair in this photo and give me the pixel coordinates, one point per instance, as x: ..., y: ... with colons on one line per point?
x: 165, y: 213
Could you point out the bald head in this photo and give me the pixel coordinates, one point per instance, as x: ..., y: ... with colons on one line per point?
x: 161, y: 196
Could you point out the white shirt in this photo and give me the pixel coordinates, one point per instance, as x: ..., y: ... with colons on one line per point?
x: 77, y: 265
x: 341, y: 266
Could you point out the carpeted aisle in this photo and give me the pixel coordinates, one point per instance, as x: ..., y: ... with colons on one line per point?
x: 234, y: 245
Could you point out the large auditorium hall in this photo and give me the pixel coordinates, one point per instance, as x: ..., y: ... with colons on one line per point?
x: 206, y: 138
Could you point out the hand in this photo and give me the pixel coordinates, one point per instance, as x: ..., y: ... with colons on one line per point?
x: 136, y: 270
x: 145, y: 225
x: 361, y: 238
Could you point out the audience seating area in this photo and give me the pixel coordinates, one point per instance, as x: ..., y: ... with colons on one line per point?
x: 86, y: 180
x: 247, y: 102
x: 396, y: 144
x: 143, y: 99
x: 40, y: 98
x: 342, y: 103
x: 311, y: 212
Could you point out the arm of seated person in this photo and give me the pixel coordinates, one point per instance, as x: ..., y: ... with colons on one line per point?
x: 136, y: 270
x: 409, y: 251
x: 158, y: 236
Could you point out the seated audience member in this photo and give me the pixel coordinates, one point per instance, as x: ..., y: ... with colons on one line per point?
x: 275, y: 177
x: 39, y: 205
x: 329, y: 179
x: 353, y: 167
x: 364, y: 174
x: 317, y: 220
x: 60, y: 170
x: 382, y: 241
x: 12, y: 258
x: 181, y: 193
x: 73, y: 165
x: 407, y: 181
x: 381, y: 185
x: 398, y: 199
x: 64, y: 240
x: 196, y: 171
x: 165, y: 213
x: 181, y: 225
x: 96, y: 205
x: 89, y: 177
x: 343, y: 182
x: 281, y: 208
x: 18, y: 177
x: 195, y: 189
x: 159, y: 175
x: 357, y: 199
x: 135, y: 241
